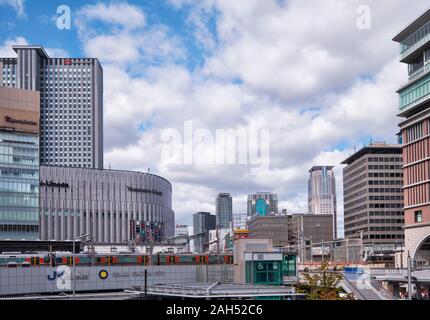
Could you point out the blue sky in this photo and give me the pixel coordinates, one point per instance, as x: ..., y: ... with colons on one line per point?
x: 38, y: 25
x: 301, y: 69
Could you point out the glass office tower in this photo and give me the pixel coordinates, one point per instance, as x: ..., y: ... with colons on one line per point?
x: 19, y: 164
x: 224, y: 210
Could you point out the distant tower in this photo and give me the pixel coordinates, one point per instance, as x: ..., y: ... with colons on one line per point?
x: 322, y: 193
x: 262, y: 203
x: 203, y: 222
x: 224, y: 210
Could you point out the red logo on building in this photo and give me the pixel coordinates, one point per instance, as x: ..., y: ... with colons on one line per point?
x: 67, y: 62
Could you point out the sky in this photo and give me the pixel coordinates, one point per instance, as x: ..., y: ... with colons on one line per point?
x: 305, y: 81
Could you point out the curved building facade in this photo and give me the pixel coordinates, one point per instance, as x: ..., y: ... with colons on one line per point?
x: 105, y: 203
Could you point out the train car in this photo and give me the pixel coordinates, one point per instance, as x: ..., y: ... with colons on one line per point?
x: 12, y: 260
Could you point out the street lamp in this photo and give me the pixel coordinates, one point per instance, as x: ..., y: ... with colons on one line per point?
x: 73, y: 258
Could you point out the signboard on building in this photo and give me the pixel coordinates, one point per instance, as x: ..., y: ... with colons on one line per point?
x: 181, y: 230
x: 318, y: 251
x: 261, y: 207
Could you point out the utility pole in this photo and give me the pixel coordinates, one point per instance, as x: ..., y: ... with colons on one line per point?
x: 409, y: 278
x: 347, y: 251
x: 73, y: 262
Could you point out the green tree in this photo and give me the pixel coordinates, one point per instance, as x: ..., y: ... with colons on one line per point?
x: 322, y: 284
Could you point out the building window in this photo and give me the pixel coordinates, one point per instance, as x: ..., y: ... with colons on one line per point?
x: 418, y: 216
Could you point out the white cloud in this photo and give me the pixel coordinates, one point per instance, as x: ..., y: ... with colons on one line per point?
x: 305, y: 72
x: 123, y: 14
x: 17, y: 5
x: 6, y: 48
x: 123, y: 37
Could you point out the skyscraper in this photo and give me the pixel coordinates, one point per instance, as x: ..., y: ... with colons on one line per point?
x: 71, y: 104
x: 262, y: 203
x: 373, y: 196
x: 414, y: 105
x: 322, y: 193
x: 202, y: 223
x: 224, y: 210
x: 19, y: 164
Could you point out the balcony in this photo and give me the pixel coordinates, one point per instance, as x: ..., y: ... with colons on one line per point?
x: 413, y: 51
x: 415, y: 94
x: 419, y: 73
x: 416, y: 75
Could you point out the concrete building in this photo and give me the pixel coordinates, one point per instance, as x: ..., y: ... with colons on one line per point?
x: 262, y: 203
x: 373, y: 196
x: 105, y: 203
x: 19, y: 163
x: 182, y: 234
x: 218, y: 240
x: 71, y: 104
x: 203, y: 222
x: 322, y: 193
x: 224, y: 210
x: 414, y: 105
x: 292, y: 229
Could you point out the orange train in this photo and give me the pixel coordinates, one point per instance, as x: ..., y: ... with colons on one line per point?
x: 86, y: 259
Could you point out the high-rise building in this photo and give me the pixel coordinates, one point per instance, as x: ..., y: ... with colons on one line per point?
x: 202, y: 223
x: 224, y: 210
x: 19, y: 164
x: 262, y: 204
x: 414, y: 105
x: 322, y: 193
x: 71, y: 104
x: 373, y: 196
